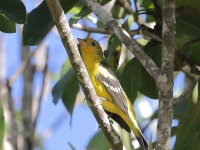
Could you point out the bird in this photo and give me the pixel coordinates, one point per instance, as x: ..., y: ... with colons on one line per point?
x: 109, y: 90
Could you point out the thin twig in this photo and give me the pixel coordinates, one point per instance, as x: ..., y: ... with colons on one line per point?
x: 134, y: 32
x: 183, y: 96
x: 77, y: 63
x: 189, y: 88
x: 125, y: 4
x: 186, y: 71
x: 23, y: 65
x: 138, y: 19
x: 190, y: 83
x: 90, y: 29
x: 127, y: 7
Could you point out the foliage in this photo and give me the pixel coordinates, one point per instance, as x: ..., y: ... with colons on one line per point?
x: 66, y: 88
x: 134, y: 78
x: 11, y: 12
x: 95, y: 144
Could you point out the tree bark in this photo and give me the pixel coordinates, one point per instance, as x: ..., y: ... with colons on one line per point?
x: 165, y: 79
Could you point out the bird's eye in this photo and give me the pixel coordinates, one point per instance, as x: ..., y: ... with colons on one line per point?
x: 93, y: 43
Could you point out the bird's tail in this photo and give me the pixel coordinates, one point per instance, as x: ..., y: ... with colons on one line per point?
x: 135, y: 128
x: 143, y: 143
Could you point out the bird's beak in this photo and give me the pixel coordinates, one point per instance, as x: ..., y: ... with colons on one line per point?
x: 81, y: 41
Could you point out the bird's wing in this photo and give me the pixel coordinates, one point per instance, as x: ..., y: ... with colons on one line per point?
x: 113, y: 87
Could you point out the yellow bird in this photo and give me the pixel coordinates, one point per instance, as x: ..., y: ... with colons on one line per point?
x: 114, y: 100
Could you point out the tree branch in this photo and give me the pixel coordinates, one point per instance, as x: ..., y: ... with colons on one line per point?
x: 77, y: 63
x: 125, y: 38
x: 37, y: 102
x: 165, y: 80
x: 125, y: 4
x: 28, y: 75
x: 98, y: 30
x: 10, y: 135
x: 190, y: 82
x: 90, y: 29
x: 181, y: 97
x: 23, y: 65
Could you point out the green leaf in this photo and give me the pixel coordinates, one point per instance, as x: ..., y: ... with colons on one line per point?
x: 2, y: 125
x: 130, y: 79
x: 187, y: 18
x: 186, y: 3
x: 147, y: 85
x: 189, y: 52
x: 65, y: 67
x: 194, y: 53
x: 84, y: 12
x: 6, y: 25
x: 113, y: 52
x: 70, y: 90
x: 128, y: 23
x: 77, y: 8
x: 173, y: 131
x: 118, y: 12
x: 180, y: 109
x: 147, y: 4
x: 100, y: 24
x: 14, y: 10
x: 188, y: 132
x: 66, y: 88
x: 151, y: 143
x: 126, y: 139
x: 98, y: 142
x: 40, y: 22
x: 188, y: 26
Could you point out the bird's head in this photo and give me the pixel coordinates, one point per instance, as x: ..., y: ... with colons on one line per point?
x: 91, y: 49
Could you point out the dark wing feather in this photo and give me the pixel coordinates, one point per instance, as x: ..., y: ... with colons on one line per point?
x: 119, y: 120
x: 113, y: 87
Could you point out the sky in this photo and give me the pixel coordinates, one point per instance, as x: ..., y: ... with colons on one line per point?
x: 53, y: 124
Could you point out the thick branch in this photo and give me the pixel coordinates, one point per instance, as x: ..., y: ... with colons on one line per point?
x: 165, y: 80
x: 77, y: 63
x: 28, y: 76
x: 125, y: 38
